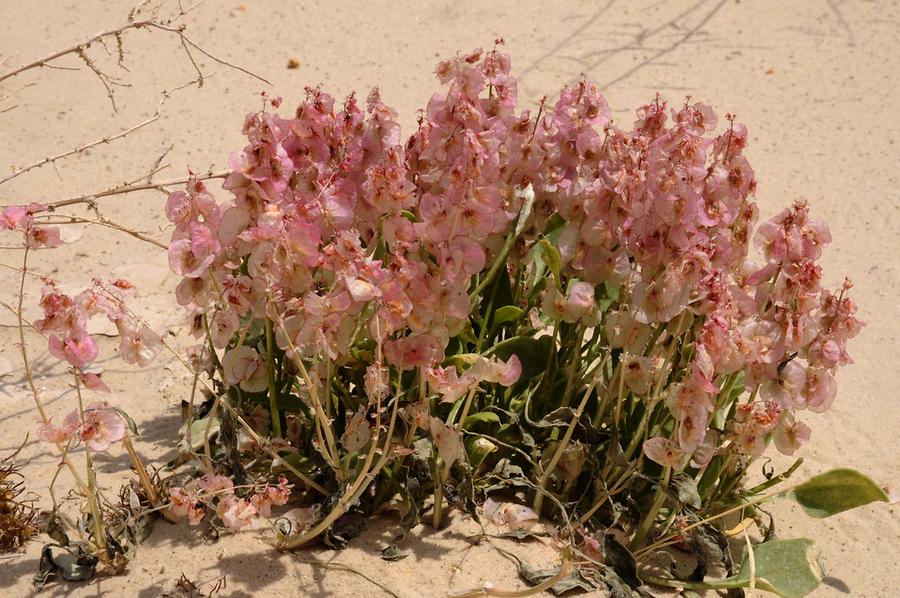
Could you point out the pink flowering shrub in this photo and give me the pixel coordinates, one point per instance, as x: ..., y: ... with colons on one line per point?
x: 543, y: 304
x: 548, y: 281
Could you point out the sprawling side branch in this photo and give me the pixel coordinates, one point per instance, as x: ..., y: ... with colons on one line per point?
x: 90, y: 198
x: 108, y: 138
x: 170, y: 25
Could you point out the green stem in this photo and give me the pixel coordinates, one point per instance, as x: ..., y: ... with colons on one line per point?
x: 573, y: 366
x: 438, y: 493
x: 723, y: 584
x: 273, y: 390
x: 93, y: 503
x: 560, y: 449
x: 500, y: 260
x: 465, y: 409
x: 658, y: 501
x: 486, y: 320
x: 366, y: 476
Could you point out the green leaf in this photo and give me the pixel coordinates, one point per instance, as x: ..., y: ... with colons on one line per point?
x: 132, y: 427
x: 392, y: 553
x: 554, y: 226
x: 836, y: 491
x: 507, y: 313
x: 550, y: 255
x: 609, y: 296
x: 487, y: 417
x: 198, y: 430
x: 478, y: 449
x: 461, y: 361
x: 686, y: 491
x: 532, y: 352
x: 788, y: 568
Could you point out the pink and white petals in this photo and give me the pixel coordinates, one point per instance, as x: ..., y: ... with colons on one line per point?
x: 245, y: 367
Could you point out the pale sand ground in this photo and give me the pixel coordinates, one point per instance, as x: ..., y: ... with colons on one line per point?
x: 816, y: 82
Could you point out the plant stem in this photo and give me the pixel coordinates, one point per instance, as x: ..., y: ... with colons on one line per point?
x: 500, y: 260
x: 326, y: 436
x: 658, y: 501
x: 438, y: 493
x: 573, y: 366
x: 723, y: 584
x: 560, y: 449
x: 273, y: 390
x: 755, y: 501
x: 93, y: 503
x: 465, y: 409
x: 145, y: 481
x: 30, y: 377
x: 357, y: 488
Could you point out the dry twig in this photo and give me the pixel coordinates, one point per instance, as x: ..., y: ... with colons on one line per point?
x: 90, y: 198
x: 109, y: 138
x: 169, y: 25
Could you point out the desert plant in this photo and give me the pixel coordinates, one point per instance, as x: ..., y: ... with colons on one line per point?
x: 544, y: 303
x: 545, y: 307
x: 18, y: 517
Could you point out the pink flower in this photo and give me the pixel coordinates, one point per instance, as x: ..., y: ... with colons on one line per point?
x: 447, y: 441
x: 93, y: 382
x: 235, y: 512
x: 185, y: 503
x: 55, y: 434
x: 448, y: 383
x: 377, y: 382
x: 243, y: 366
x: 624, y: 332
x: 787, y: 388
x: 78, y: 349
x: 576, y: 305
x: 790, y: 435
x: 357, y: 432
x: 271, y: 495
x: 820, y: 390
x: 15, y: 217
x: 662, y: 298
x: 46, y: 236
x: 101, y: 427
x: 497, y: 372
x: 666, y: 453
x: 138, y: 346
x: 212, y: 484
x: 638, y: 373
x: 191, y: 257
x: 413, y: 351
x: 222, y: 326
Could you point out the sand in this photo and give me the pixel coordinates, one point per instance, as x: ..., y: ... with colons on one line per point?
x: 815, y: 81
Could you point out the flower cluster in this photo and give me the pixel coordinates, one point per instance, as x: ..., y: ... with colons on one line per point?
x: 65, y: 325
x: 327, y: 233
x: 98, y: 427
x: 21, y: 218
x: 217, y: 494
x: 347, y: 268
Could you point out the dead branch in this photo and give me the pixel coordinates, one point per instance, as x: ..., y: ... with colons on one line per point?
x: 157, y: 164
x: 103, y: 221
x: 132, y: 187
x: 109, y: 138
x: 187, y: 42
x: 153, y: 22
x: 12, y: 93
